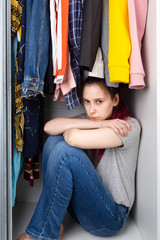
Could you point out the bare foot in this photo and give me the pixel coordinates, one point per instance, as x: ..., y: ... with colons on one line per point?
x: 61, y: 230
x: 24, y: 236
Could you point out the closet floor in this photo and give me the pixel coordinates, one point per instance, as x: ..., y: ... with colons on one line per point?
x: 72, y: 231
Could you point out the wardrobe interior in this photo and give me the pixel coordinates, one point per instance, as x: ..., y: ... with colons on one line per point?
x: 143, y: 224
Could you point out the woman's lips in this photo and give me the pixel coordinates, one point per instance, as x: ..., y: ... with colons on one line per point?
x: 93, y: 118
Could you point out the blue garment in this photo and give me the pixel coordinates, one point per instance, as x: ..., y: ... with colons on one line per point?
x: 36, y: 46
x: 21, y: 51
x: 73, y: 98
x: 17, y: 161
x: 33, y: 127
x: 70, y: 179
x: 17, y: 164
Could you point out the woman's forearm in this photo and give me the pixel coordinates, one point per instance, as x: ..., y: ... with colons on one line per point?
x: 98, y: 137
x: 58, y: 126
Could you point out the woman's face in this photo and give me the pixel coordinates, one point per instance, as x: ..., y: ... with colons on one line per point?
x: 98, y: 102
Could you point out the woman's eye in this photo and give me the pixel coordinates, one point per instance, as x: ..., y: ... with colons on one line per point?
x: 85, y: 101
x: 99, y: 101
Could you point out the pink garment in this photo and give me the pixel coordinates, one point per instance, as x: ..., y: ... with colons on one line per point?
x: 67, y: 84
x: 137, y: 10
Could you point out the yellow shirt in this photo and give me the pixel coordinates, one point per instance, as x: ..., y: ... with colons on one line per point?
x: 119, y: 41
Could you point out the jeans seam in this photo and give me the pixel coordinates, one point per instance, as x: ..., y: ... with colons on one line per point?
x: 67, y: 155
x: 31, y: 78
x: 104, y: 228
x: 40, y: 42
x: 35, y: 235
x: 33, y: 94
x: 53, y: 199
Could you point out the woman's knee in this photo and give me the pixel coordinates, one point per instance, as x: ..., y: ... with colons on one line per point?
x: 49, y: 145
x: 51, y: 142
x: 63, y: 148
x: 72, y: 157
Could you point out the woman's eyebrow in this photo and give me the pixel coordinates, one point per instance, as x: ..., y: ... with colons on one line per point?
x: 95, y: 99
x: 85, y: 99
x: 100, y: 98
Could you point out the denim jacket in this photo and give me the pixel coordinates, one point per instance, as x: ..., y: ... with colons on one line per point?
x: 36, y: 46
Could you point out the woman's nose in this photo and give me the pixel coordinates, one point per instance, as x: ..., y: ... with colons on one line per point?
x: 92, y: 108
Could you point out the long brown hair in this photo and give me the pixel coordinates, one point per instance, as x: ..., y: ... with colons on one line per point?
x: 121, y: 111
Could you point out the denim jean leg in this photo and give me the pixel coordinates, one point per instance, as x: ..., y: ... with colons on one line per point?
x: 37, y: 46
x: 54, y: 200
x: 91, y: 202
x: 50, y: 143
x: 71, y: 178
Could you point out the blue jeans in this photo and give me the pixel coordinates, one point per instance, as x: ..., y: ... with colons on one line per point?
x: 71, y: 180
x: 36, y: 46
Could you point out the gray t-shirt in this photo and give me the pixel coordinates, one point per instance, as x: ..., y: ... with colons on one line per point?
x: 117, y: 166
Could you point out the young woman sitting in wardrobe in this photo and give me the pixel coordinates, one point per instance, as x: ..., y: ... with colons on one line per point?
x: 89, y: 167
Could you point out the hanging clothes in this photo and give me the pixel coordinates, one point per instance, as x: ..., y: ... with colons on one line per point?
x: 91, y: 33
x: 17, y: 161
x: 36, y: 47
x: 33, y: 136
x: 59, y: 36
x: 73, y: 98
x: 16, y: 15
x: 119, y: 41
x: 34, y: 123
x: 31, y: 169
x: 98, y: 67
x: 64, y: 79
x: 18, y: 109
x: 16, y: 27
x: 105, y: 43
x: 49, y: 85
x: 137, y: 22
x: 21, y: 52
x: 68, y: 82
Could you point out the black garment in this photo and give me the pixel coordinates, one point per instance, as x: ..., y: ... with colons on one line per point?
x: 34, y: 123
x: 91, y: 33
x: 49, y: 85
x: 21, y: 52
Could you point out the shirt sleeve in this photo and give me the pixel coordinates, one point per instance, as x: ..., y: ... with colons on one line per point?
x: 133, y: 135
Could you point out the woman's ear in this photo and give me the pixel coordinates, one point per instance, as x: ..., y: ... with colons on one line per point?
x: 116, y: 100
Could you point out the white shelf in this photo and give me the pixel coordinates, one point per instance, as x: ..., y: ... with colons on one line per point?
x: 22, y: 213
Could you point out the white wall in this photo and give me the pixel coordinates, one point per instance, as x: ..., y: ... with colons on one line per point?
x: 145, y: 108
x: 158, y: 115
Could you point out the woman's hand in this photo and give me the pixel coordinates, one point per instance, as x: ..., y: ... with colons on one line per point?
x: 119, y: 126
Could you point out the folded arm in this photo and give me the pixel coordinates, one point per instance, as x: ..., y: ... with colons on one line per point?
x: 92, y: 138
x: 58, y: 126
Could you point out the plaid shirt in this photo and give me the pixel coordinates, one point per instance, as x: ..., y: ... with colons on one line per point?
x: 73, y: 98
